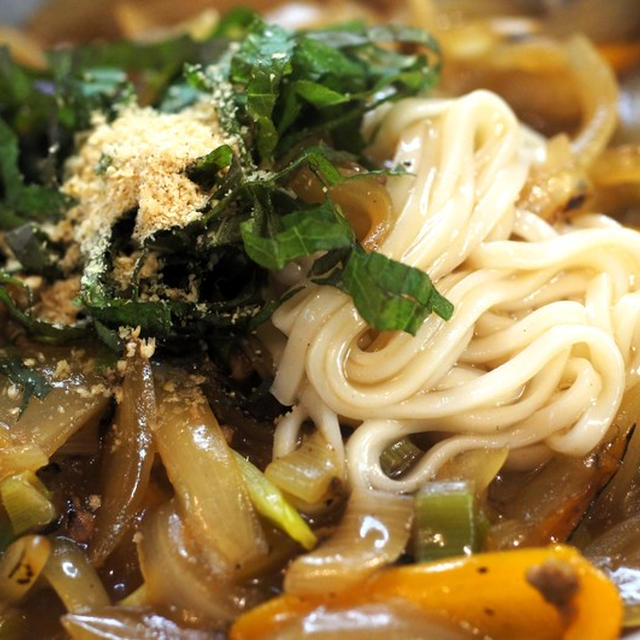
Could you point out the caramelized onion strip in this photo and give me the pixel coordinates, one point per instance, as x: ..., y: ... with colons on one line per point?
x: 128, y: 458
x: 73, y: 578
x: 176, y: 575
x: 373, y: 532
x: 210, y: 491
x: 120, y: 623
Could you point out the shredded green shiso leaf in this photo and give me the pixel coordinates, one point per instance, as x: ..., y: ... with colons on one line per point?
x: 291, y: 99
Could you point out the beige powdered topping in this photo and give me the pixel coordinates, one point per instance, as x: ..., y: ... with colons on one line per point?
x: 137, y: 162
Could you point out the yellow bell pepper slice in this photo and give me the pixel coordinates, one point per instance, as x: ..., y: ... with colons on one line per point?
x: 550, y: 593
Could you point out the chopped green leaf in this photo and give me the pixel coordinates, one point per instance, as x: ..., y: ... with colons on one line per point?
x: 390, y: 295
x: 38, y: 329
x: 260, y: 64
x: 35, y: 251
x: 205, y: 169
x: 319, y: 95
x: 302, y: 233
x: 235, y: 23
x: 25, y: 202
x: 32, y: 382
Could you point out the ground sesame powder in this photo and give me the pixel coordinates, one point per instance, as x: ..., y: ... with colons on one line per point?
x: 137, y: 162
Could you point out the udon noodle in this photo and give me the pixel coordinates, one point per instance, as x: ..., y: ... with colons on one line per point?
x: 212, y: 496
x: 543, y: 341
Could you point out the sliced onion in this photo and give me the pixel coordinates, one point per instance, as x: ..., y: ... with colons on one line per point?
x: 478, y: 467
x: 308, y: 473
x: 21, y: 565
x: 22, y: 457
x: 85, y: 442
x: 549, y: 505
x: 120, y: 623
x: 615, y: 503
x: 598, y: 92
x: 364, y: 200
x: 50, y: 422
x: 128, y: 459
x: 73, y: 578
x: 373, y: 532
x: 175, y: 574
x: 210, y: 491
x: 394, y: 620
x: 617, y: 554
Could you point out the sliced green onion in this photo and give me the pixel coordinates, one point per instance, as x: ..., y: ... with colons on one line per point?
x: 270, y: 503
x: 399, y: 457
x: 27, y: 501
x: 446, y: 521
x: 308, y: 473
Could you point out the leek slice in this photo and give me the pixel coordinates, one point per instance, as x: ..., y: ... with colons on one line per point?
x: 27, y: 502
x: 308, y: 473
x: 447, y: 522
x: 399, y: 457
x: 270, y: 503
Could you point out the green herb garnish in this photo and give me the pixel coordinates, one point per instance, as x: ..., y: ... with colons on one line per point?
x: 32, y: 382
x: 287, y: 99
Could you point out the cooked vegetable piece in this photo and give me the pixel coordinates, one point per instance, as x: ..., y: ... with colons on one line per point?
x: 399, y: 457
x: 270, y: 503
x: 446, y: 521
x: 210, y: 492
x: 73, y: 578
x: 27, y: 502
x: 128, y: 458
x: 364, y: 201
x: 18, y: 458
x: 379, y: 621
x: 549, y: 505
x: 617, y: 554
x: 48, y: 423
x: 550, y: 593
x: 373, y: 532
x: 21, y: 565
x: 308, y: 472
x: 479, y: 467
x: 185, y: 575
x: 120, y: 623
x: 32, y: 383
x: 616, y: 502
